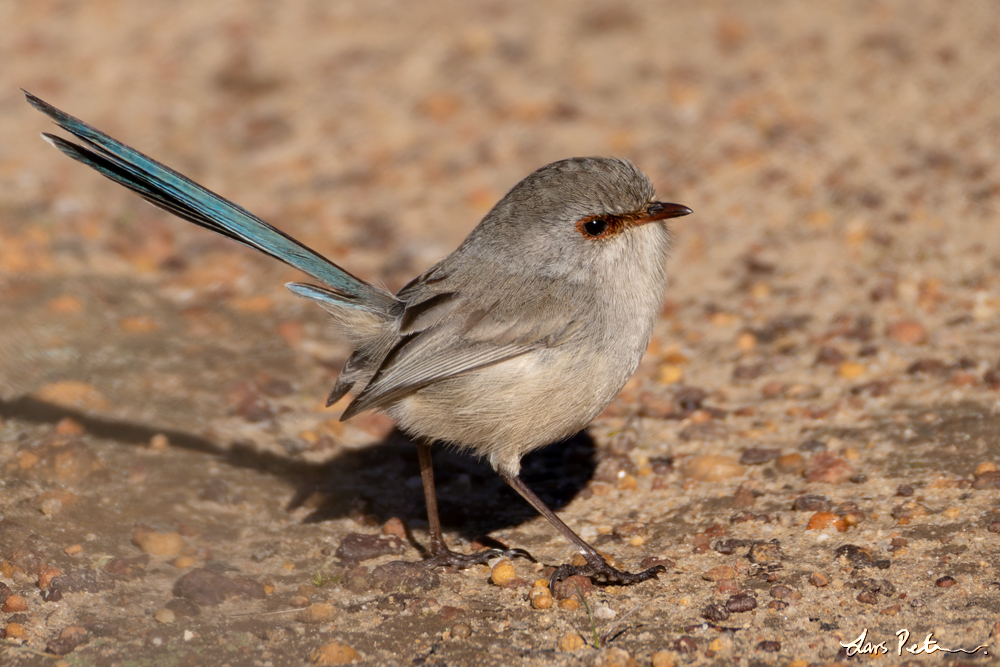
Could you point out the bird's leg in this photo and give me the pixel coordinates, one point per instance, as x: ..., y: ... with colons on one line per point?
x: 596, y: 568
x: 440, y: 553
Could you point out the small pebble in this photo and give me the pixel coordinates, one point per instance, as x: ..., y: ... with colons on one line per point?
x: 758, y: 455
x: 604, y: 613
x: 712, y: 468
x: 744, y: 497
x: 14, y: 603
x: 616, y: 657
x: 571, y: 642
x: 927, y: 366
x: 773, y: 389
x: 812, y: 445
x: 73, y: 549
x: 157, y: 544
x: 850, y: 370
x: 727, y: 587
x: 989, y: 479
x: 502, y: 572
x: 685, y: 644
x: 183, y: 562
x: 13, y: 631
x: 394, y: 526
x: 715, y: 613
x: 818, y: 579
x: 826, y: 521
x: 74, y: 395
x: 569, y: 604
x: 600, y: 488
x: 317, y: 614
x: 829, y: 468
x: 51, y: 506
x: 986, y: 466
x: 812, y: 502
x: 334, y: 653
x: 670, y: 373
x: 461, y: 630
x: 907, y: 331
x: 664, y: 659
x: 46, y: 575
x: 790, y: 464
x: 719, y: 573
x: 69, y: 638
x: 746, y: 342
x: 164, y: 616
x: 541, y: 601
x: 741, y: 602
x: 945, y: 582
x: 769, y: 646
x: 183, y: 608
x: 630, y: 529
x: 69, y: 426
x: 158, y: 443
x: 963, y: 379
x: 768, y: 553
x: 868, y: 597
x: 782, y: 592
x: 829, y: 356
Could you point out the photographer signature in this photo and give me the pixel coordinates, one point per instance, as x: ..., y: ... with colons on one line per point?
x: 861, y: 645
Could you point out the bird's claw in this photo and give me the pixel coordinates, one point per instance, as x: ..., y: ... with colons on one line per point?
x: 449, y: 558
x: 598, y: 571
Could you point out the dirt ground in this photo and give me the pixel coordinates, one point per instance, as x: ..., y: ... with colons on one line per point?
x: 811, y: 441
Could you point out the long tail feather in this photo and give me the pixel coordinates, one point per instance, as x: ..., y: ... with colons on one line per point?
x: 174, y: 192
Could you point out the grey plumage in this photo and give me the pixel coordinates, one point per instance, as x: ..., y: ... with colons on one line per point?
x: 529, y: 329
x: 517, y: 339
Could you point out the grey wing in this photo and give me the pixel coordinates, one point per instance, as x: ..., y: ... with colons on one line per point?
x: 440, y: 337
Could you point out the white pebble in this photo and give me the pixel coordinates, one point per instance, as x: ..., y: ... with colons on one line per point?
x: 604, y: 613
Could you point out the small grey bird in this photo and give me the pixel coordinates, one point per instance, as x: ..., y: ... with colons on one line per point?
x: 516, y: 340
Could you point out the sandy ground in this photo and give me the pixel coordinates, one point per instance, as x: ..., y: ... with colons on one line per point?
x: 812, y: 440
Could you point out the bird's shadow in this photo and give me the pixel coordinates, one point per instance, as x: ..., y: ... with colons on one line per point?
x: 376, y: 482
x: 383, y: 480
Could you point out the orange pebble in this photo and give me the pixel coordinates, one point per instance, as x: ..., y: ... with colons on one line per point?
x: 826, y: 520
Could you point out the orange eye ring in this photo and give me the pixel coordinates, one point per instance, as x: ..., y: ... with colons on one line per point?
x: 595, y: 227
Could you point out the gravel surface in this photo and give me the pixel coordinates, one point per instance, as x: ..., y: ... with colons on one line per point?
x: 810, y: 445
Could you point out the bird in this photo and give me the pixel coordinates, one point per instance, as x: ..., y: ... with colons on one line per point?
x: 517, y: 339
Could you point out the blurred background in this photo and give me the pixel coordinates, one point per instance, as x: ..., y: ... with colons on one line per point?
x: 831, y: 149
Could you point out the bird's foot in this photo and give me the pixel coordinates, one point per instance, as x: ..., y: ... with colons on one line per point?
x: 598, y: 570
x: 445, y: 557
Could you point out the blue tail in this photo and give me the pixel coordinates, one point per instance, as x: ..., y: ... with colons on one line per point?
x: 173, y: 192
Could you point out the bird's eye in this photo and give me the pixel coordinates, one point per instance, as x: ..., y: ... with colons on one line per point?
x: 595, y: 227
